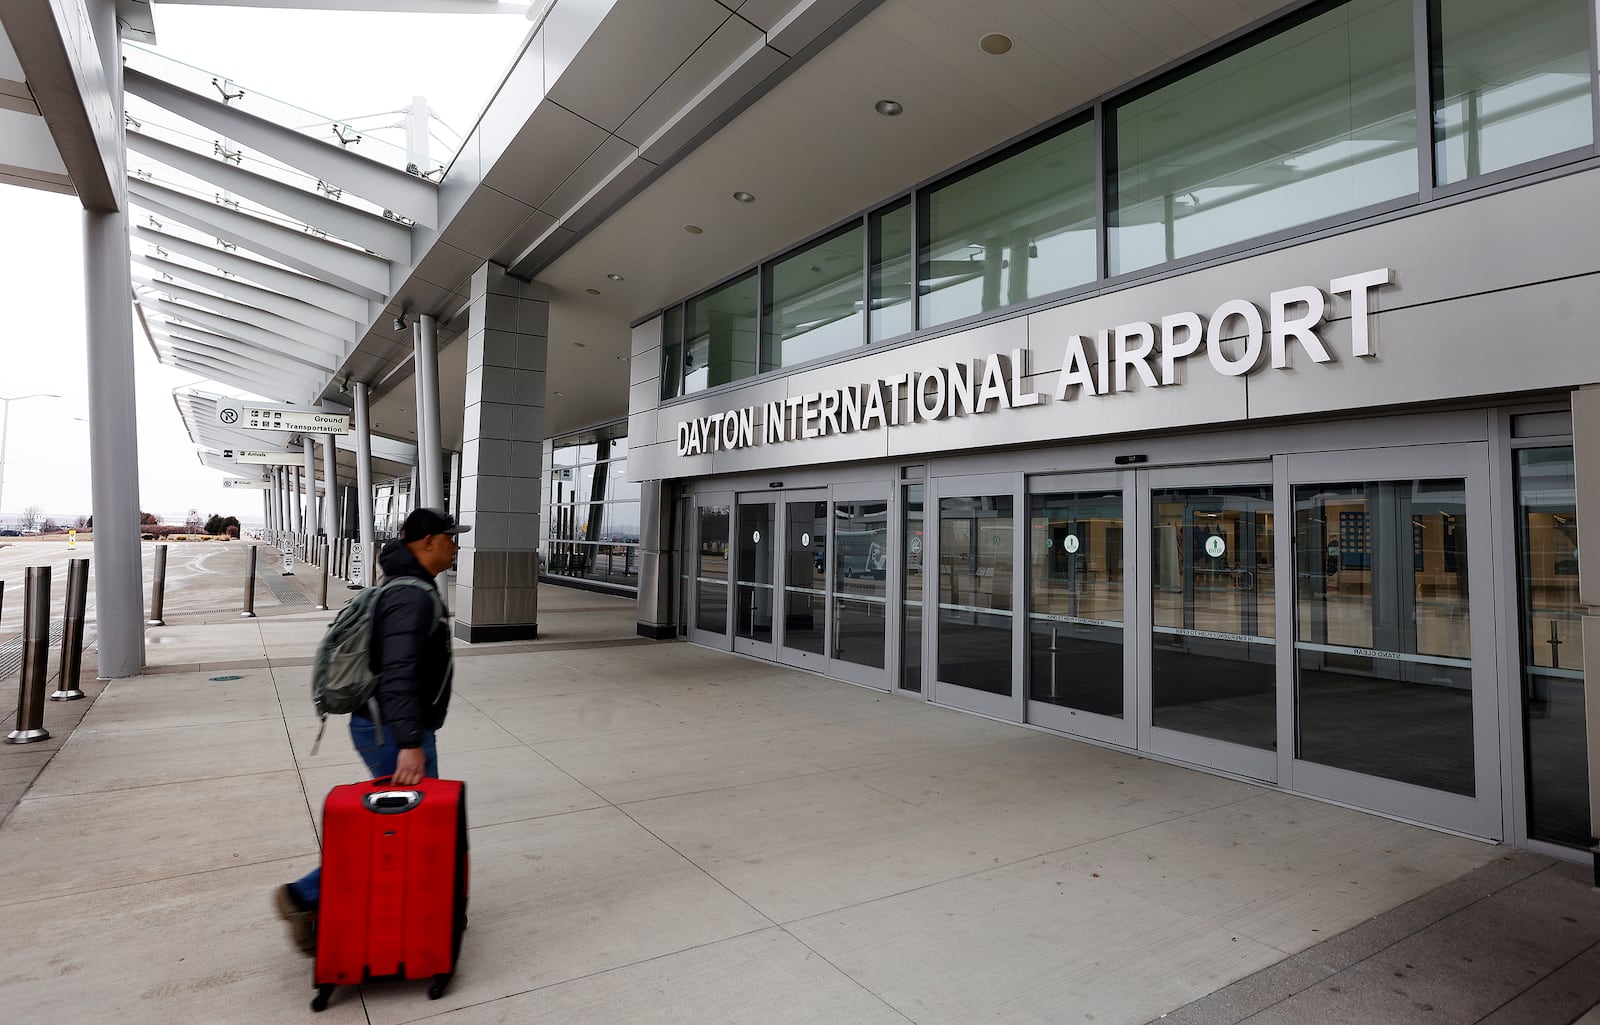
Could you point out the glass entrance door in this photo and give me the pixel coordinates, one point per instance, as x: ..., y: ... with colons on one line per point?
x: 1394, y: 692
x: 803, y: 640
x: 976, y: 653
x: 755, y: 594
x: 708, y: 621
x: 1212, y: 676
x: 860, y: 586
x: 1080, y: 671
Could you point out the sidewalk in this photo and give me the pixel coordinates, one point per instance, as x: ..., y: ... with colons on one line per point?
x: 661, y: 833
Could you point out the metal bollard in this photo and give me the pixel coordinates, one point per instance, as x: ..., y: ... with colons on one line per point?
x: 249, y: 585
x: 35, y: 658
x: 158, y: 588
x: 322, y: 585
x: 72, y: 635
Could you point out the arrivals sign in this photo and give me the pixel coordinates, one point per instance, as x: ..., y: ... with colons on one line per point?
x: 275, y: 457
x: 283, y: 418
x: 1238, y: 338
x: 239, y: 483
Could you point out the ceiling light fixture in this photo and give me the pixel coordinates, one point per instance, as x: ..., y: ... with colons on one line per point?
x: 744, y: 197
x: 694, y: 229
x: 580, y: 345
x: 613, y: 277
x: 592, y: 291
x: 995, y: 43
x: 889, y: 108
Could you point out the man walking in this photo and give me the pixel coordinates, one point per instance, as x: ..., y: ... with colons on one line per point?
x: 410, y: 651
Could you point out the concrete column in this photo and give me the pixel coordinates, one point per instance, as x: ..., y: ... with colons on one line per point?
x: 429, y: 445
x: 310, y: 481
x: 364, y: 482
x: 295, y: 521
x: 113, y: 419
x: 1586, y: 460
x: 501, y: 458
x: 330, y: 491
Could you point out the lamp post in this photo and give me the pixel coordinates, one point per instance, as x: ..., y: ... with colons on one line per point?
x: 5, y: 425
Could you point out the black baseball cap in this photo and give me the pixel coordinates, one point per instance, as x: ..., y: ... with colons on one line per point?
x: 423, y: 522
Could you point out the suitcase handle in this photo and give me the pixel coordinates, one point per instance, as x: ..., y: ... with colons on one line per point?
x: 391, y: 802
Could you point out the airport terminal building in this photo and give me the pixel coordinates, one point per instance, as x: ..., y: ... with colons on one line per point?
x: 1216, y: 381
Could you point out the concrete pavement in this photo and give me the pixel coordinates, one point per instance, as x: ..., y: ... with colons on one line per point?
x: 661, y: 833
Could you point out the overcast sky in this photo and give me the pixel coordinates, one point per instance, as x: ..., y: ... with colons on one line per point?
x: 337, y: 64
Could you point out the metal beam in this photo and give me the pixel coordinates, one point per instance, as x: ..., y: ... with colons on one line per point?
x: 388, y: 238
x: 348, y: 268
x: 372, y: 6
x: 273, y: 302
x: 248, y: 334
x: 297, y: 286
x: 283, y: 376
x: 61, y: 60
x: 252, y: 315
x: 403, y: 193
x: 211, y: 371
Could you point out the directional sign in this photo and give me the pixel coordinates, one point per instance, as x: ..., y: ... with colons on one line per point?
x: 356, y: 559
x: 283, y: 418
x: 269, y: 458
x: 247, y: 485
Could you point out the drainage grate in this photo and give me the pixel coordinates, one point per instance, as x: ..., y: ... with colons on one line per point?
x: 284, y: 590
x: 11, y: 651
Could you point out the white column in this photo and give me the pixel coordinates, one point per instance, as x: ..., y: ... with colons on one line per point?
x: 364, y: 497
x: 310, y: 448
x: 330, y: 494
x: 429, y: 446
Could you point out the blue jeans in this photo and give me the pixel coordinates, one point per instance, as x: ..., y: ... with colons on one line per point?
x: 380, y: 758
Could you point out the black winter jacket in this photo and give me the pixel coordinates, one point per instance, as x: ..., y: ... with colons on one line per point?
x: 411, y: 655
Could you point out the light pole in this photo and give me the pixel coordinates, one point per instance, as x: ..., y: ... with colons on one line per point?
x: 5, y: 425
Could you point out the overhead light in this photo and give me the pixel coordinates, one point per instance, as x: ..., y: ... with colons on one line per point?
x: 580, y: 345
x: 613, y: 277
x: 592, y: 291
x: 400, y: 321
x: 889, y: 108
x: 694, y: 229
x: 744, y: 197
x: 995, y: 43
x: 624, y: 359
x: 559, y: 394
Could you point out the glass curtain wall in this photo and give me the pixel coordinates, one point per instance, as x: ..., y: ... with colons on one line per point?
x: 1012, y: 229
x: 1511, y: 83
x: 1320, y: 119
x: 1307, y: 120
x: 594, y: 510
x: 813, y: 301
x: 1557, y: 748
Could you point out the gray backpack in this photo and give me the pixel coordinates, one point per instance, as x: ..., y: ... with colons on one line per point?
x: 342, y: 680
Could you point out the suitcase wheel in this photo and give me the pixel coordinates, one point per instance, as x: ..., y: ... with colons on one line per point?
x: 436, y: 990
x: 320, y: 1001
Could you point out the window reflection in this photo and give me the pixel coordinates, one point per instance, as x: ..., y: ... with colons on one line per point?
x: 975, y: 583
x: 911, y: 632
x: 892, y: 271
x: 814, y: 301
x: 1319, y: 119
x: 593, y: 521
x: 1509, y: 85
x: 1075, y: 595
x: 721, y: 336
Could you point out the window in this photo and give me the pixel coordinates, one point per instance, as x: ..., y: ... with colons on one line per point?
x: 1510, y: 83
x: 1317, y: 120
x: 721, y: 342
x: 813, y: 299
x: 1016, y: 227
x: 892, y: 270
x: 594, y: 522
x: 672, y: 352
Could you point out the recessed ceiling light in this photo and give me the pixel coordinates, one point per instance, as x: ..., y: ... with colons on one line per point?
x: 694, y: 229
x: 622, y: 359
x: 889, y: 108
x: 614, y: 277
x: 559, y: 394
x: 579, y: 345
x: 592, y: 291
x: 995, y: 43
x: 744, y: 197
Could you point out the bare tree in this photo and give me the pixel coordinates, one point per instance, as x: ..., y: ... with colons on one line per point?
x: 31, y: 517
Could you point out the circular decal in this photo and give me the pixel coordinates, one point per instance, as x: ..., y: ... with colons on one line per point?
x: 1071, y: 544
x: 805, y: 540
x: 1216, y: 545
x: 1049, y: 543
x: 229, y: 416
x: 755, y: 537
x: 916, y: 546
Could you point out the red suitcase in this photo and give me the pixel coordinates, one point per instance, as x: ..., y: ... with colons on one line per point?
x: 394, y: 884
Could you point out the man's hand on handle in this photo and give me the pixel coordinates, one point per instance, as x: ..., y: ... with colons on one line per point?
x: 408, y: 767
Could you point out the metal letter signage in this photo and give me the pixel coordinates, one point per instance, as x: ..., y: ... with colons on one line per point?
x: 1237, y: 339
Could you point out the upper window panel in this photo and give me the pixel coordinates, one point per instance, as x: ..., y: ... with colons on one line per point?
x: 722, y: 328
x: 671, y: 352
x: 1014, y: 228
x: 892, y: 271
x: 1510, y: 83
x: 814, y: 301
x: 1317, y: 120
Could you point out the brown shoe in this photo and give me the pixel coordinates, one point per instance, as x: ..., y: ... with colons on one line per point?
x: 301, y: 918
